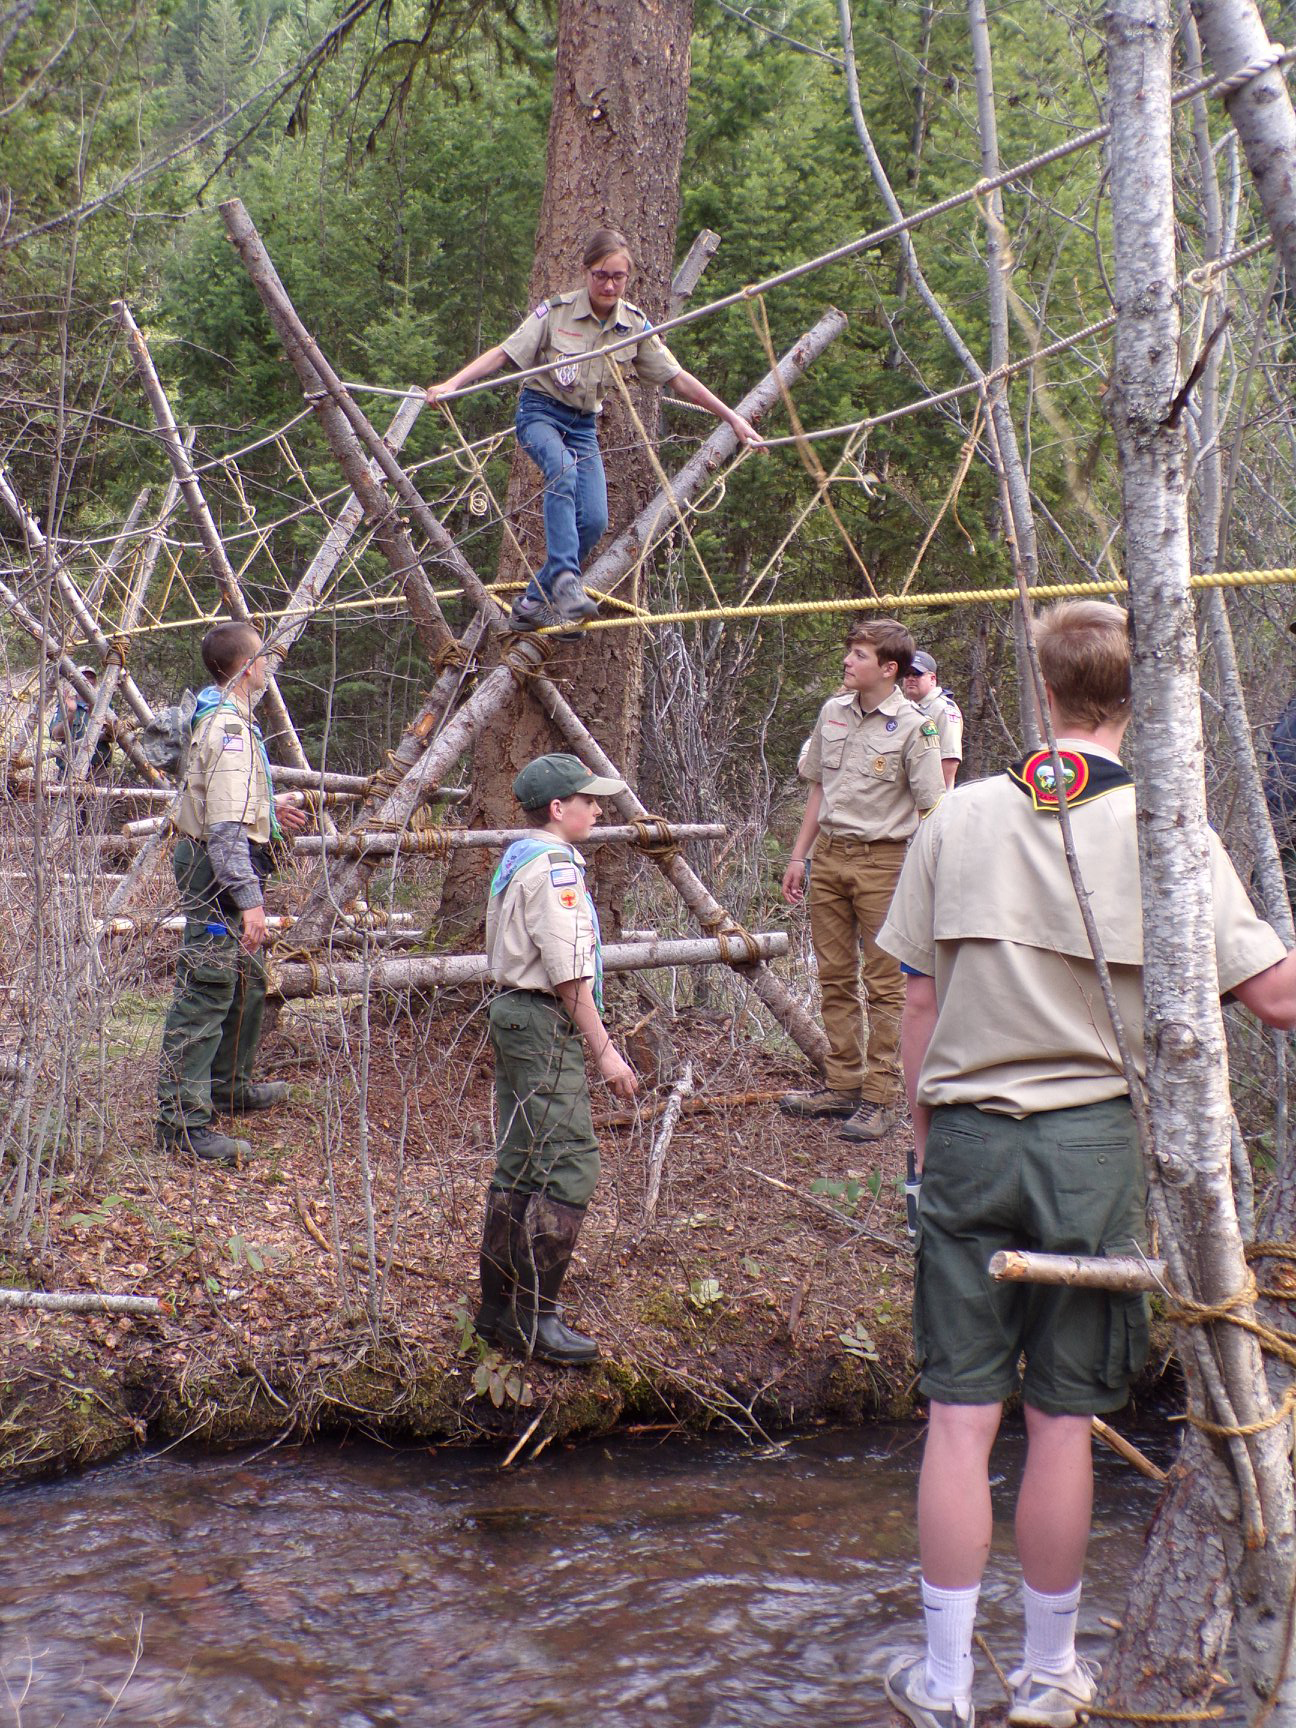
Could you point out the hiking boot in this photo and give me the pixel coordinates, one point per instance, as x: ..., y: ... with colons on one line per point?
x: 260, y: 1095
x: 906, y: 1687
x: 1052, y: 1700
x: 206, y: 1144
x: 570, y: 601
x: 526, y: 614
x: 819, y: 1101
x: 871, y: 1121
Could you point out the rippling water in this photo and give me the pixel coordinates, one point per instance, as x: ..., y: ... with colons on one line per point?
x: 697, y: 1585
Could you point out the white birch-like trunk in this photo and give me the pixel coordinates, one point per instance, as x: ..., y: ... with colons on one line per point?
x: 1187, y: 1056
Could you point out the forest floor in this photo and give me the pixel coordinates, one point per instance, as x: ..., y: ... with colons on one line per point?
x: 772, y: 1287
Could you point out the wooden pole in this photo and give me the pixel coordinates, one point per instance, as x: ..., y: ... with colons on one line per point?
x: 377, y: 843
x: 661, y: 1144
x: 82, y: 1302
x: 353, y: 978
x: 280, y: 721
x: 1082, y: 1272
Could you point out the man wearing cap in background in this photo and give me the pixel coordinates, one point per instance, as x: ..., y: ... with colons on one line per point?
x: 68, y: 727
x: 542, y: 941
x: 923, y: 689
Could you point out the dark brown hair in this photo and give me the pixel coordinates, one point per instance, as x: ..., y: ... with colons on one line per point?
x: 228, y: 647
x: 601, y: 243
x: 1084, y: 655
x: 888, y: 639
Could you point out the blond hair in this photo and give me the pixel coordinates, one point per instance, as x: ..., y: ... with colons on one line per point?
x: 1084, y: 654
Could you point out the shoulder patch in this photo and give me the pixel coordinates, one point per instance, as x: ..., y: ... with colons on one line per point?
x: 232, y: 741
x: 561, y: 858
x: 542, y: 310
x: 929, y: 729
x: 564, y: 876
x: 568, y: 897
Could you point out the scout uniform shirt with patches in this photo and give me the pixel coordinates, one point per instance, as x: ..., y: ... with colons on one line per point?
x: 986, y: 908
x: 879, y: 771
x: 226, y: 779
x: 540, y: 929
x: 940, y: 706
x: 566, y: 327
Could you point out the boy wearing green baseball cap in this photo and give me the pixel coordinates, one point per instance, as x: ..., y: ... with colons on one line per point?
x: 542, y: 941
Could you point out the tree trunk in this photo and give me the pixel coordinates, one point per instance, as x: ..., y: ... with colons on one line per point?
x: 616, y: 140
x: 1249, y: 1477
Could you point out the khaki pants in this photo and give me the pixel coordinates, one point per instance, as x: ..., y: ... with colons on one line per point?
x: 851, y: 884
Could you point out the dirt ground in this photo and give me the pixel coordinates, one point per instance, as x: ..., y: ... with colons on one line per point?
x: 771, y: 1287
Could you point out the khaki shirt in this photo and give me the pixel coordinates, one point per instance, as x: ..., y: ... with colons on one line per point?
x: 540, y: 930
x: 225, y: 780
x: 986, y: 908
x: 940, y: 706
x: 879, y: 771
x: 566, y: 327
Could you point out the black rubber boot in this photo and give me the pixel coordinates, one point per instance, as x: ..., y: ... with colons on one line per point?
x: 496, y: 1319
x: 543, y: 1245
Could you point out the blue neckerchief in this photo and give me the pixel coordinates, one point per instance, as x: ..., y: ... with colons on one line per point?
x: 210, y: 698
x: 521, y: 852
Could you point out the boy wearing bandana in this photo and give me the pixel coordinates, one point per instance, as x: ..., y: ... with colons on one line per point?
x: 1025, y: 1139
x: 542, y: 941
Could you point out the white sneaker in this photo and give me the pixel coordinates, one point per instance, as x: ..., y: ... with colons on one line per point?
x: 906, y: 1687
x: 1052, y: 1700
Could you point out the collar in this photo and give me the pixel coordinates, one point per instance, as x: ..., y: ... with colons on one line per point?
x: 1090, y: 773
x: 581, y: 308
x: 889, y: 705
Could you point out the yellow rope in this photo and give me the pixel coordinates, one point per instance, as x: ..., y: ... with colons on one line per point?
x: 945, y: 597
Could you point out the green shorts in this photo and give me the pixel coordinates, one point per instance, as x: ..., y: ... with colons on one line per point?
x: 545, y: 1141
x: 1061, y: 1182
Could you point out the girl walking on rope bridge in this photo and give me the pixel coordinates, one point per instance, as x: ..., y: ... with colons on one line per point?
x: 557, y: 415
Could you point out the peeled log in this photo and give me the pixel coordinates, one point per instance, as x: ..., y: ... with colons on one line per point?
x: 1080, y: 1271
x: 353, y: 977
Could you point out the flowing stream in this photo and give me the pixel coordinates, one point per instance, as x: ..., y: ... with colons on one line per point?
x: 700, y: 1586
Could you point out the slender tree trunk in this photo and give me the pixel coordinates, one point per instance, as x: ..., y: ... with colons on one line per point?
x: 616, y: 141
x: 1250, y: 1477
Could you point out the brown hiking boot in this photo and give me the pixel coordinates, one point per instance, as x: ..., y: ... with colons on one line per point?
x: 819, y: 1101
x: 872, y: 1121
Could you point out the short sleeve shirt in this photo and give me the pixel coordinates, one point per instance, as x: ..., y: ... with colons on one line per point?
x: 985, y: 907
x: 225, y: 780
x: 566, y: 328
x: 880, y: 771
x: 540, y: 929
x: 941, y: 707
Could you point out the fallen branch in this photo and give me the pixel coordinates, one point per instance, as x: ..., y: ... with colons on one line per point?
x: 823, y: 1206
x: 83, y: 1302
x: 1125, y: 1449
x: 657, y: 1159
x: 689, y: 1106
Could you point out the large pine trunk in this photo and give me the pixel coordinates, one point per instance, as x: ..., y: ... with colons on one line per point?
x: 616, y: 140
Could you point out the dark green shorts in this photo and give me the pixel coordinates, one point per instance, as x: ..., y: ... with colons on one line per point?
x: 545, y: 1140
x: 1061, y: 1182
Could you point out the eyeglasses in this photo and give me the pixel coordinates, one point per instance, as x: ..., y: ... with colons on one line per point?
x: 610, y: 278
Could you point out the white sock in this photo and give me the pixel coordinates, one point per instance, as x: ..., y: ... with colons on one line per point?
x: 950, y: 1615
x: 1050, y: 1630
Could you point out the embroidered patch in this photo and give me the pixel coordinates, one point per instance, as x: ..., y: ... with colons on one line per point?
x: 566, y: 375
x: 232, y: 741
x: 568, y: 897
x: 542, y: 310
x: 1040, y: 779
x: 879, y: 764
x: 564, y: 876
x: 891, y: 725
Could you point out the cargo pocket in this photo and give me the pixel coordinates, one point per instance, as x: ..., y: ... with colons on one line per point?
x: 1127, y: 1338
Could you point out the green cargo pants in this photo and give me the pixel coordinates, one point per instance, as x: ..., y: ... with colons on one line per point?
x: 213, y: 1027
x: 545, y: 1140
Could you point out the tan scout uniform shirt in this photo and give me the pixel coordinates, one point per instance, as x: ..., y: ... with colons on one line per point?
x: 540, y: 931
x: 225, y: 780
x: 879, y: 771
x: 985, y: 907
x: 566, y: 327
x: 941, y: 707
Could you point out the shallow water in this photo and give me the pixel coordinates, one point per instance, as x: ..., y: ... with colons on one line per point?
x: 703, y: 1586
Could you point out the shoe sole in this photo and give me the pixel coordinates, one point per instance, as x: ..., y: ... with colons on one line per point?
x: 916, y: 1713
x: 818, y: 1115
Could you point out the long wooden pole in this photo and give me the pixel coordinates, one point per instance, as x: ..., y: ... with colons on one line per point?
x: 280, y: 721
x: 353, y: 977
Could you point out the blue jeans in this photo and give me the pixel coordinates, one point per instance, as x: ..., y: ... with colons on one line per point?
x: 563, y: 444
